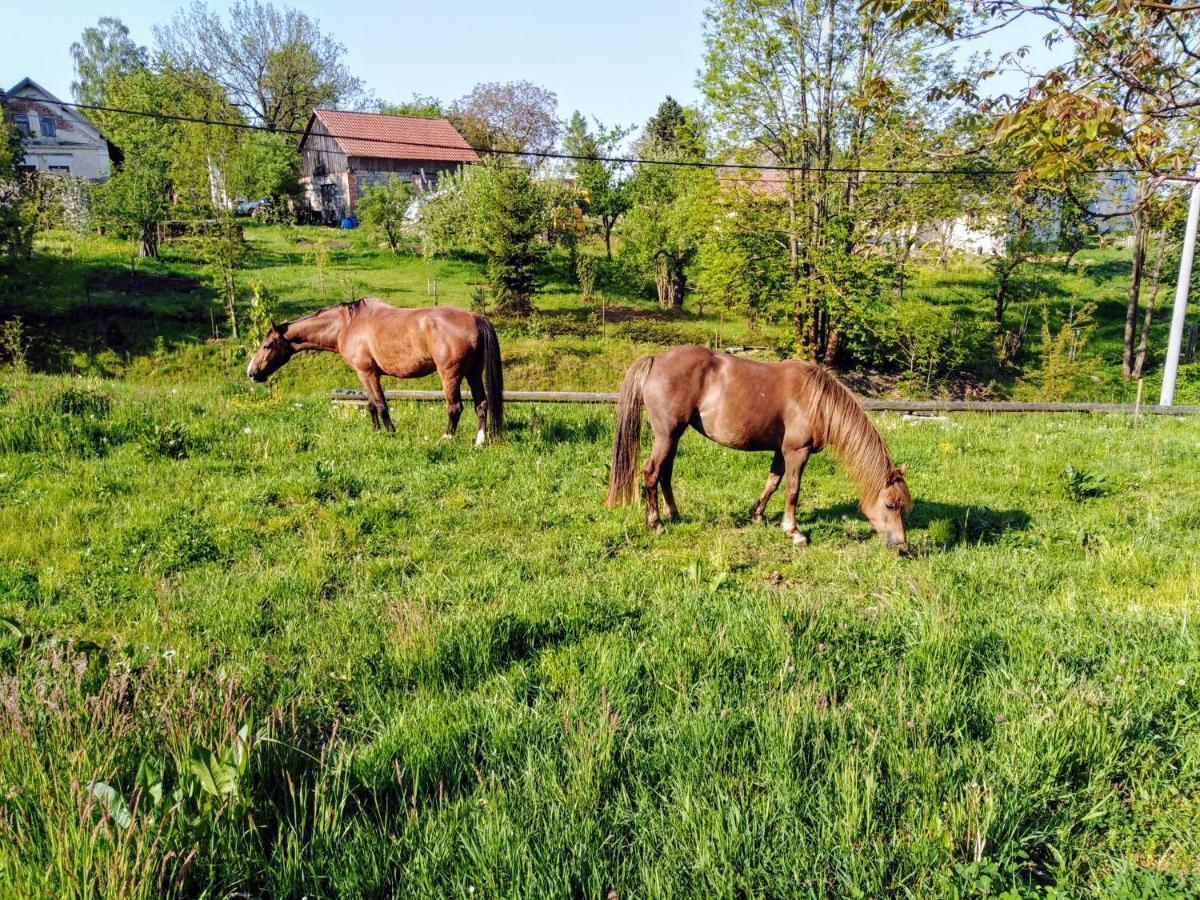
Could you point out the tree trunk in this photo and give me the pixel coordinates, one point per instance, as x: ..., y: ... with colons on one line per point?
x: 1003, y: 276
x: 149, y: 245
x: 1139, y: 361
x: 1135, y: 290
x: 679, y: 282
x: 608, y: 224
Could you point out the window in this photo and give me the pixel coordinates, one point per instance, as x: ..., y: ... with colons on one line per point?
x: 47, y: 126
x: 60, y: 170
x: 22, y: 123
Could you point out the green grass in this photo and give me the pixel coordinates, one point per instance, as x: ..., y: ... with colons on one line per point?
x: 454, y: 669
x: 249, y: 647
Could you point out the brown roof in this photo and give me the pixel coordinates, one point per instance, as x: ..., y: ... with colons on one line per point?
x: 394, y: 137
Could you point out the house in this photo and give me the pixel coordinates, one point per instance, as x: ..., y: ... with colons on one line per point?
x: 57, y: 138
x: 341, y: 153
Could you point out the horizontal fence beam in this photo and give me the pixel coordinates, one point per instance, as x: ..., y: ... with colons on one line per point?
x: 358, y: 397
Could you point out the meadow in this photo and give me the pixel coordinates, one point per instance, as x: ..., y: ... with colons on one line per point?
x: 248, y: 647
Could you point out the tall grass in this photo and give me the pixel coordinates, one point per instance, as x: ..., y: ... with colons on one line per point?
x: 298, y: 658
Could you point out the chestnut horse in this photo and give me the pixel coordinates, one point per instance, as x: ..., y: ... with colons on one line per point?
x: 792, y: 408
x: 375, y: 338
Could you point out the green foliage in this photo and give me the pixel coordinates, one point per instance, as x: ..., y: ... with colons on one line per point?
x: 17, y: 211
x: 262, y: 164
x: 272, y: 61
x: 383, y: 205
x: 604, y: 195
x: 672, y: 210
x: 225, y: 252
x: 923, y: 341
x: 1079, y: 484
x: 585, y: 271
x: 14, y: 343
x: 419, y: 105
x: 1064, y: 364
x: 103, y: 53
x: 508, y: 213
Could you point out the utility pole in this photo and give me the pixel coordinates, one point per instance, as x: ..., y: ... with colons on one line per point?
x: 1182, y: 286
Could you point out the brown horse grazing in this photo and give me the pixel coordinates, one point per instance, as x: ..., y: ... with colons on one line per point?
x: 377, y: 339
x: 793, y: 408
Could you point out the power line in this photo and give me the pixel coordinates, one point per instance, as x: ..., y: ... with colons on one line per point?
x: 547, y: 154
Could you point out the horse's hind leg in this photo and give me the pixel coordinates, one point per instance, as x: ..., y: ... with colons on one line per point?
x: 773, y: 479
x: 659, y: 465
x: 452, y: 388
x: 479, y: 396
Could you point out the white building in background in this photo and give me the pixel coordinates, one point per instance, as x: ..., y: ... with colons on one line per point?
x: 57, y: 139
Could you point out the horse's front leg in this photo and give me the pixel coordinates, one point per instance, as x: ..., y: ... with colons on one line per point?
x: 794, y: 462
x: 772, y: 485
x: 375, y: 399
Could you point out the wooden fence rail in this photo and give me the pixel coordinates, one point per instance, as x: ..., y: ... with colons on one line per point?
x: 357, y: 397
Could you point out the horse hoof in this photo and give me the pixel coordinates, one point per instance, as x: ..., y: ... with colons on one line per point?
x: 479, y: 438
x: 756, y: 519
x: 446, y: 437
x: 799, y: 539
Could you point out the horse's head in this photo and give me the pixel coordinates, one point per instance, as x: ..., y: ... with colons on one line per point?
x: 276, y: 349
x: 886, y: 511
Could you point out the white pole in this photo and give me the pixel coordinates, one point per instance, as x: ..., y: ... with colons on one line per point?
x: 1174, y: 342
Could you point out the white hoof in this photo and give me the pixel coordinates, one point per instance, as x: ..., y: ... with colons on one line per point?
x: 799, y: 539
x: 447, y: 437
x: 479, y: 438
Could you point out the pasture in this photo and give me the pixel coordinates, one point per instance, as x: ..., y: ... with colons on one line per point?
x: 250, y: 647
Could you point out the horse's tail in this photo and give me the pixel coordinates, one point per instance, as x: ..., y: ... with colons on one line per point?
x: 493, y: 376
x: 628, y: 434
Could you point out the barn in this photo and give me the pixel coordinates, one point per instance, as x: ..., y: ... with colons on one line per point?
x: 341, y: 153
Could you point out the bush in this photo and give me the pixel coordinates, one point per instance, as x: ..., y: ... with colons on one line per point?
x: 383, y: 206
x: 917, y: 339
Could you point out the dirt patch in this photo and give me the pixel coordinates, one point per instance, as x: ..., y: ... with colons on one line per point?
x: 136, y: 283
x: 633, y: 314
x: 334, y: 244
x: 886, y: 385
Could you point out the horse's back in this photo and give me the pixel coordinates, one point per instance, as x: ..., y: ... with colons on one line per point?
x: 413, y: 341
x: 737, y: 402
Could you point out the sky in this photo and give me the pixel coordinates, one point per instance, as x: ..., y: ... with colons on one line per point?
x: 614, y: 61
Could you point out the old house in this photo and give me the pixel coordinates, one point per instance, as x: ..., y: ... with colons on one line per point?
x: 343, y: 152
x: 57, y: 139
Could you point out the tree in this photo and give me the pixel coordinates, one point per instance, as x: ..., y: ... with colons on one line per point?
x: 138, y: 195
x: 1127, y: 99
x: 418, y: 105
x: 604, y: 195
x: 274, y: 62
x: 507, y: 211
x: 516, y: 117
x: 670, y: 213
x: 16, y: 215
x: 662, y: 129
x: 821, y: 89
x: 383, y: 205
x: 103, y: 53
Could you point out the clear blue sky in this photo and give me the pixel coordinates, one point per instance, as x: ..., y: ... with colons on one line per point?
x: 615, y: 60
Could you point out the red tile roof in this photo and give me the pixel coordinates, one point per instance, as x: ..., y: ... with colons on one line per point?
x: 394, y: 137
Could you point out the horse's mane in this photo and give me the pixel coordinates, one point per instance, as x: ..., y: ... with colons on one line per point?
x: 846, y: 428
x: 351, y: 307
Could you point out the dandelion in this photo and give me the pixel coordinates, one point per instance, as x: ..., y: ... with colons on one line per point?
x: 1122, y: 661
x: 910, y: 724
x: 724, y: 713
x: 168, y: 654
x: 1181, y: 682
x: 820, y: 648
x: 247, y: 430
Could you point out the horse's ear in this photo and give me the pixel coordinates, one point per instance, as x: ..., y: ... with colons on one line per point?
x: 897, y: 474
x: 903, y: 470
